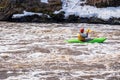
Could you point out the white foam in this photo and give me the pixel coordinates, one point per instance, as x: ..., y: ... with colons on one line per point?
x: 37, y: 55
x: 3, y: 48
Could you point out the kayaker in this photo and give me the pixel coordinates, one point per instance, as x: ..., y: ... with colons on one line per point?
x: 82, y: 35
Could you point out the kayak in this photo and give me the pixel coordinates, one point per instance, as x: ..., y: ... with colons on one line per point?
x: 95, y: 40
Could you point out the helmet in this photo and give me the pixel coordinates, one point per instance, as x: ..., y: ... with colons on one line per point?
x: 82, y: 30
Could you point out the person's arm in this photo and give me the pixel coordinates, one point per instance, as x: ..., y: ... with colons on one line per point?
x: 84, y: 35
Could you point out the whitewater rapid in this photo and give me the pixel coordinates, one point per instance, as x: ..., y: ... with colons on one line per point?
x: 38, y: 51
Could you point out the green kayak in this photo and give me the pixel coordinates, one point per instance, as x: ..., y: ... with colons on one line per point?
x: 95, y: 40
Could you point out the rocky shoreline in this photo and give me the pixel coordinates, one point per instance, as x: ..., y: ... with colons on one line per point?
x: 10, y: 7
x: 59, y: 18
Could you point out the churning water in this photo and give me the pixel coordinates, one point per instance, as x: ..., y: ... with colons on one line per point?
x: 38, y: 51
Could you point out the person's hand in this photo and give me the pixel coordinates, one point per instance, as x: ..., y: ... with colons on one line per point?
x: 88, y: 31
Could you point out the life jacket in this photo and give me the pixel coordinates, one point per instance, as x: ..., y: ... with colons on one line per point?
x: 80, y: 37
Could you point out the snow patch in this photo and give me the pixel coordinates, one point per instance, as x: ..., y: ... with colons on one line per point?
x: 73, y: 7
x: 25, y: 13
x: 44, y: 1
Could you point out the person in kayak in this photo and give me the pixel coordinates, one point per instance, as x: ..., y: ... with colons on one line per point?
x: 82, y: 36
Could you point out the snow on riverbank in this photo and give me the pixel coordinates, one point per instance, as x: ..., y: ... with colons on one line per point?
x: 44, y: 1
x: 73, y: 7
x: 25, y: 13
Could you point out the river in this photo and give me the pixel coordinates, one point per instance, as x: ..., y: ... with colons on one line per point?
x: 38, y: 51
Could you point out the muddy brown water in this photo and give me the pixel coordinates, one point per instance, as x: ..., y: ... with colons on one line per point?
x: 38, y: 51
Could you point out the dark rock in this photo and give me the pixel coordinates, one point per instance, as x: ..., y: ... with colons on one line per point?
x: 103, y: 3
x: 55, y: 4
x: 10, y: 7
x: 43, y: 18
x: 73, y: 18
x: 58, y: 17
x: 95, y: 20
x: 84, y: 20
x: 114, y: 21
x: 33, y: 18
